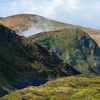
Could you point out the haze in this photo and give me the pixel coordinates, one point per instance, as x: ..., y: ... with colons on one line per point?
x: 78, y: 12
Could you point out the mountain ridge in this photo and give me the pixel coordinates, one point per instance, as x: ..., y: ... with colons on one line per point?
x: 22, y: 22
x: 24, y: 63
x: 73, y: 46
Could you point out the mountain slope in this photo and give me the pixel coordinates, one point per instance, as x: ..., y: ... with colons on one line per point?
x: 23, y: 22
x: 73, y: 46
x: 70, y: 88
x: 28, y: 24
x: 0, y: 18
x: 24, y: 63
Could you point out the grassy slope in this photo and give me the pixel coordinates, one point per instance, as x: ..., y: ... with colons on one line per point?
x: 73, y: 46
x: 70, y: 88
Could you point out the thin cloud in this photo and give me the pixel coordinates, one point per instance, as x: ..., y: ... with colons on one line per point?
x: 80, y: 12
x: 46, y: 7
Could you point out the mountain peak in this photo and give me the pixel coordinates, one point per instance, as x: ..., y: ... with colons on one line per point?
x: 29, y: 24
x: 7, y: 33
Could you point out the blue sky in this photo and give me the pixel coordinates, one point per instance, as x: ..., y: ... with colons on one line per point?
x: 78, y: 12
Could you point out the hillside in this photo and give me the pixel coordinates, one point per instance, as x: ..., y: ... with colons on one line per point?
x: 73, y: 46
x: 58, y: 50
x: 24, y: 63
x: 29, y: 24
x: 70, y: 88
x: 0, y: 18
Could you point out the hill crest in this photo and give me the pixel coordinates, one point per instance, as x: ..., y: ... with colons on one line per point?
x: 24, y: 63
x: 29, y: 24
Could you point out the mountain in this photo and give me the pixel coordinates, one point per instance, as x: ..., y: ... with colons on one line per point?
x: 29, y: 24
x: 0, y: 18
x: 24, y: 63
x: 73, y: 46
x: 69, y: 88
x: 34, y: 23
x: 58, y: 50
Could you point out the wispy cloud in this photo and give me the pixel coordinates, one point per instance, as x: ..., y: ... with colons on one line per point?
x: 80, y: 12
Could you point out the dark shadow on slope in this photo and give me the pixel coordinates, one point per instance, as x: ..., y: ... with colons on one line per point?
x: 24, y: 63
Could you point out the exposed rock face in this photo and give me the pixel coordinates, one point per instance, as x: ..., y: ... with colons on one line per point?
x: 85, y: 41
x: 3, y: 92
x: 29, y: 79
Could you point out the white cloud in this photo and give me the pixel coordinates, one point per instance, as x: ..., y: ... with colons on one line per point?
x: 72, y: 5
x: 80, y: 12
x: 46, y: 7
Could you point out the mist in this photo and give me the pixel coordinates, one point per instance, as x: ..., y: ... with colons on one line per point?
x: 40, y: 24
x: 31, y: 31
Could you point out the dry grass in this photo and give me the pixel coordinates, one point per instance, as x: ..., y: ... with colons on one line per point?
x: 96, y: 37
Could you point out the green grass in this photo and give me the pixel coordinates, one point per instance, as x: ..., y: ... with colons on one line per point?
x: 71, y: 88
